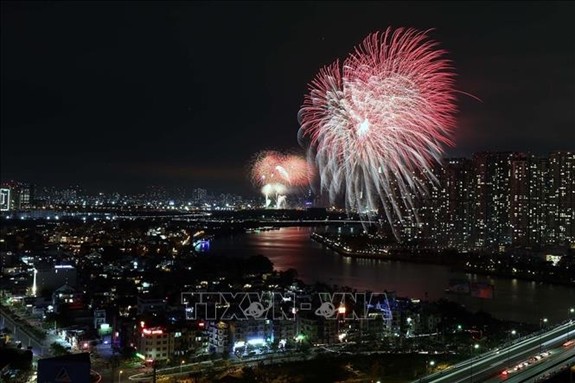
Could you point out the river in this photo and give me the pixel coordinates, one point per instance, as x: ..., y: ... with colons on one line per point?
x: 292, y: 247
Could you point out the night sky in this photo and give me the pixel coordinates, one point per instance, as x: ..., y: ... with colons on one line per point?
x: 117, y: 96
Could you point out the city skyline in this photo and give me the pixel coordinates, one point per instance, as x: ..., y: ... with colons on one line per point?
x: 488, y: 201
x: 252, y: 192
x: 181, y: 95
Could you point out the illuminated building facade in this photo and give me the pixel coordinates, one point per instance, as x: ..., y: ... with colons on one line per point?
x: 226, y: 336
x: 497, y: 200
x: 156, y: 343
x: 218, y: 336
x: 5, y: 201
x: 561, y: 198
x: 16, y: 196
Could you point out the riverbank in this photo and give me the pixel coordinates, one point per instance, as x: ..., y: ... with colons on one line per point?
x: 489, y: 265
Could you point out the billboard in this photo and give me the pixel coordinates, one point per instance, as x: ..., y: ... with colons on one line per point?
x: 4, y: 199
x: 74, y: 368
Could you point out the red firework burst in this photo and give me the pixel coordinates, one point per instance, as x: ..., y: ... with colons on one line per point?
x: 380, y: 117
x: 275, y: 167
x: 298, y: 169
x: 264, y: 168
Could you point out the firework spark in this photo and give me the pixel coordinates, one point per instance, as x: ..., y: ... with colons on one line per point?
x: 377, y: 122
x: 278, y: 174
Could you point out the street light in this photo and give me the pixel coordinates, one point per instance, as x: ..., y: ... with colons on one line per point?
x: 182, y: 365
x: 542, y: 322
x: 120, y: 376
x: 571, y: 312
x: 431, y: 364
x: 512, y: 332
x: 475, y: 347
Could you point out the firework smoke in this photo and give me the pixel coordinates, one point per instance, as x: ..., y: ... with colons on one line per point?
x: 378, y: 122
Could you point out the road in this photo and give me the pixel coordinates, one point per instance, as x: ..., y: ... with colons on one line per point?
x: 538, y: 371
x: 494, y: 362
x: 20, y: 332
x: 219, y: 365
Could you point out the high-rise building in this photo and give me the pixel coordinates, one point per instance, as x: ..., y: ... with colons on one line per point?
x: 16, y: 196
x: 561, y: 197
x: 497, y: 200
x: 5, y: 199
x: 529, y: 201
x: 199, y: 196
x: 26, y: 196
x: 493, y: 198
x: 451, y: 203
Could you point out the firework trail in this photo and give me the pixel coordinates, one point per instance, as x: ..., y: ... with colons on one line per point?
x: 277, y: 174
x: 267, y: 190
x: 376, y: 124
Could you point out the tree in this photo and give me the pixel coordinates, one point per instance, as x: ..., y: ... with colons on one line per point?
x: 288, y: 276
x: 58, y: 350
